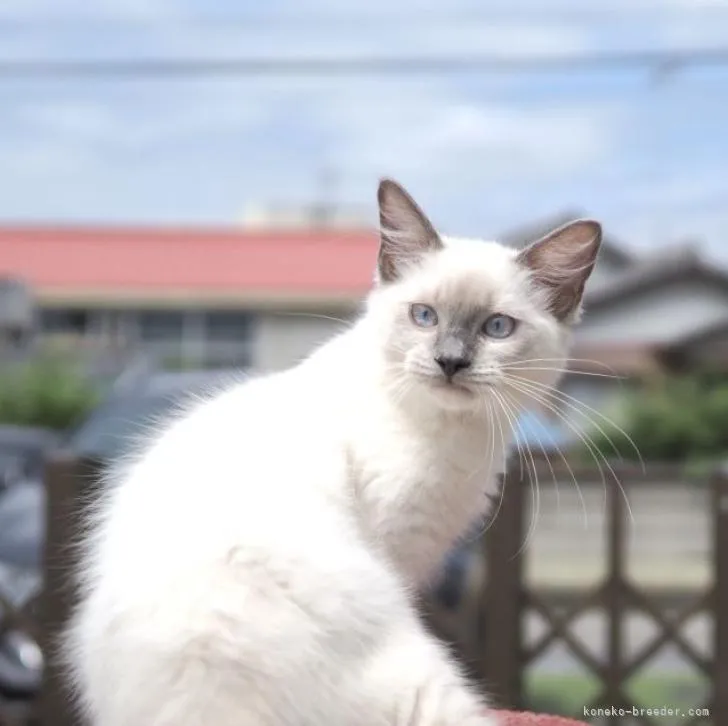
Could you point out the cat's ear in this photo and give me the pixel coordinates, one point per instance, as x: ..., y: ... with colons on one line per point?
x: 406, y: 234
x: 562, y: 261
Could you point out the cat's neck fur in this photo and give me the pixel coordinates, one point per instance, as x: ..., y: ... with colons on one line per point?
x: 406, y: 509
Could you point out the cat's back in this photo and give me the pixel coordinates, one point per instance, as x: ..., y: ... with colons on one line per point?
x: 221, y: 466
x: 260, y: 421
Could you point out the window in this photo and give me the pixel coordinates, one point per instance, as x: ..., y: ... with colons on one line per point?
x: 227, y: 338
x: 227, y: 326
x: 64, y: 321
x: 160, y: 326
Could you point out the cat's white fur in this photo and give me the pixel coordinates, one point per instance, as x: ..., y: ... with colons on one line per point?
x: 255, y: 564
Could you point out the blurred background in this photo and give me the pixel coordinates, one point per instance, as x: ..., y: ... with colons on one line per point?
x: 188, y: 192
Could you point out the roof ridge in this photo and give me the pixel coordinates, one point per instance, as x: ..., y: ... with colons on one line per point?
x: 537, y: 229
x: 181, y: 234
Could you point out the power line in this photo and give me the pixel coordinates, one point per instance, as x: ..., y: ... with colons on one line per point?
x: 157, y: 68
x: 521, y: 11
x: 350, y: 17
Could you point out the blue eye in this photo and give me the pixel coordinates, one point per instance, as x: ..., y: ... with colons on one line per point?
x: 499, y: 326
x: 423, y: 315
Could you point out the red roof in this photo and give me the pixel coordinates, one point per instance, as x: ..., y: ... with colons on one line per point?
x: 166, y: 262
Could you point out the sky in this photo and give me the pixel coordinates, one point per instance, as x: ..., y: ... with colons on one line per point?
x: 645, y: 153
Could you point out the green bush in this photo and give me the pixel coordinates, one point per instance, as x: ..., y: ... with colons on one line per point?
x: 672, y: 419
x: 51, y: 393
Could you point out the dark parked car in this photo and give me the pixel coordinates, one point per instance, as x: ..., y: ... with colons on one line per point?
x: 22, y: 452
x: 22, y: 529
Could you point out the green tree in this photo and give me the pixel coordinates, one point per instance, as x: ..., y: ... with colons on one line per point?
x: 681, y: 419
x: 50, y: 392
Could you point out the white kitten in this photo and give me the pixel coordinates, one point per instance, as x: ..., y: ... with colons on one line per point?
x: 254, y: 564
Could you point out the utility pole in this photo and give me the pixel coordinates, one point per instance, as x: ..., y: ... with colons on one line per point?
x: 17, y: 317
x: 324, y: 208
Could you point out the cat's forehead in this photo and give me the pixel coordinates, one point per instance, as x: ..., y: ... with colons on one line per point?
x: 465, y: 253
x: 471, y: 272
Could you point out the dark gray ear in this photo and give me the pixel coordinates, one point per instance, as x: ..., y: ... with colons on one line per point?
x: 562, y: 262
x: 405, y: 232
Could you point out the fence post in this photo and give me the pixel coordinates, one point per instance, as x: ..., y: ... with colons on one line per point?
x: 68, y: 482
x: 614, y: 591
x: 503, y: 603
x: 720, y: 604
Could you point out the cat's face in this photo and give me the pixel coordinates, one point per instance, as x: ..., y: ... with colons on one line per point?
x: 468, y: 324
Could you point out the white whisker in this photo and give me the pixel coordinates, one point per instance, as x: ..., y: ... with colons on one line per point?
x: 573, y: 404
x: 319, y: 316
x: 565, y: 360
x: 494, y: 418
x: 569, y: 468
x: 548, y: 462
x: 537, y: 395
x: 556, y: 369
x: 516, y: 409
x: 533, y: 480
x: 548, y: 406
x: 491, y: 421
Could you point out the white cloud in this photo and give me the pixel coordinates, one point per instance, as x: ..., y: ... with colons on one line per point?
x: 691, y: 203
x: 690, y: 187
x: 496, y: 148
x: 429, y: 133
x: 142, y: 125
x: 27, y: 160
x: 48, y: 10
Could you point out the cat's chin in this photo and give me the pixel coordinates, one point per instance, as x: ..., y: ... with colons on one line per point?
x: 453, y: 396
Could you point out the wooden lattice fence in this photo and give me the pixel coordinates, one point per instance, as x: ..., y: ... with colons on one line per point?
x: 498, y: 653
x: 508, y: 598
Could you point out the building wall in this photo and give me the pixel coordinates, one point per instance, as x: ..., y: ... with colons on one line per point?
x: 657, y: 315
x: 263, y: 340
x: 711, y: 352
x: 168, y: 336
x: 668, y: 541
x: 283, y: 339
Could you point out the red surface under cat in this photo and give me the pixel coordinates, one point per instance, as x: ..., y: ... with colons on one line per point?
x: 522, y: 718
